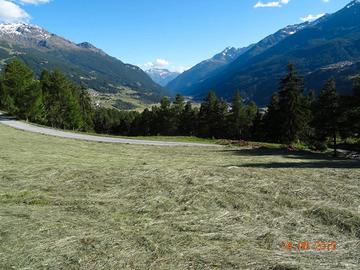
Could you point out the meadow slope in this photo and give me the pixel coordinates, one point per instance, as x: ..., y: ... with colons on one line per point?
x: 67, y: 204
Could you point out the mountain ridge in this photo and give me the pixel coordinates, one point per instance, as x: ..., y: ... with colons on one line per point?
x: 204, y: 69
x: 329, y: 41
x: 162, y: 76
x: 185, y: 82
x: 83, y: 63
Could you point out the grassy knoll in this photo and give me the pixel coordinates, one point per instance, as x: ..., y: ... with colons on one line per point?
x: 66, y: 204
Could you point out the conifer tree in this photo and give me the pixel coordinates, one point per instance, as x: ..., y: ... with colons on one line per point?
x: 327, y: 114
x: 351, y: 106
x: 60, y: 101
x: 177, y: 108
x: 21, y: 94
x: 272, y: 120
x: 292, y: 107
x: 178, y: 104
x: 165, y: 118
x: 237, y: 118
x: 356, y: 107
x: 209, y: 116
x: 86, y: 108
x: 188, y: 121
x: 251, y: 111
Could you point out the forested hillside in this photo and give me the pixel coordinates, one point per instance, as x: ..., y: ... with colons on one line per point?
x: 82, y: 63
x: 328, y: 47
x: 292, y: 116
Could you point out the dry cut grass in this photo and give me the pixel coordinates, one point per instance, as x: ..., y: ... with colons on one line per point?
x: 66, y: 204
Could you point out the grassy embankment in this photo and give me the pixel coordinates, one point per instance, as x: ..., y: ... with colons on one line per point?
x: 67, y: 204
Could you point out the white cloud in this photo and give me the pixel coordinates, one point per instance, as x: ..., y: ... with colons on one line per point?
x: 272, y: 4
x: 158, y: 63
x: 179, y: 69
x: 34, y: 2
x: 311, y: 17
x: 11, y: 11
x: 163, y: 64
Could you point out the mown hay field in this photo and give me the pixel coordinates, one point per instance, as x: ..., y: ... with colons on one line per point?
x: 67, y: 204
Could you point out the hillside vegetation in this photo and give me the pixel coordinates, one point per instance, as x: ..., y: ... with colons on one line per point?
x: 328, y: 47
x: 82, y: 63
x: 67, y: 204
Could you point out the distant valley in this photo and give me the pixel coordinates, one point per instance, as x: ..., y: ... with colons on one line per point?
x: 83, y: 63
x: 327, y: 47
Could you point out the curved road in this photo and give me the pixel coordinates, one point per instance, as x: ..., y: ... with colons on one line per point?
x: 11, y: 122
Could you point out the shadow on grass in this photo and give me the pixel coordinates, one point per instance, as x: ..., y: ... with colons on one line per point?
x: 294, y: 159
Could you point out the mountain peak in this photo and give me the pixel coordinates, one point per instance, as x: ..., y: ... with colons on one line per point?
x: 229, y: 50
x: 161, y: 76
x: 86, y: 45
x: 228, y: 54
x: 18, y: 29
x: 353, y: 3
x: 89, y: 46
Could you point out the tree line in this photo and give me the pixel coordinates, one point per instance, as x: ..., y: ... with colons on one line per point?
x: 292, y: 115
x: 52, y: 100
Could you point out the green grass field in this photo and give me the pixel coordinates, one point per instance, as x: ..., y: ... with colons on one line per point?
x: 67, y: 204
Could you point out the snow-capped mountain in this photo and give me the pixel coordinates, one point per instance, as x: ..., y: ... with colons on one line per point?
x: 353, y: 3
x: 227, y: 55
x: 22, y: 29
x: 84, y: 63
x: 327, y: 47
x: 33, y: 36
x: 162, y: 76
x: 213, y: 66
x: 204, y: 70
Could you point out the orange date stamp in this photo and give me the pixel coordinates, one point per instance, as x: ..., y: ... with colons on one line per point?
x: 310, y: 246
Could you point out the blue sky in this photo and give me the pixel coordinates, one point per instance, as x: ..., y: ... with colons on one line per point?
x: 176, y: 34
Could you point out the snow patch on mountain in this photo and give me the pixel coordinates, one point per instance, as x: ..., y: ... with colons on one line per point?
x: 22, y: 29
x: 162, y: 76
x: 353, y: 3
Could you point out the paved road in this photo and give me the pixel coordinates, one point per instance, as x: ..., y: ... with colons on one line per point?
x: 11, y: 122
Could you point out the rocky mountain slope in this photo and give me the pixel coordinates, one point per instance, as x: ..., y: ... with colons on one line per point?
x: 83, y: 63
x: 328, y: 47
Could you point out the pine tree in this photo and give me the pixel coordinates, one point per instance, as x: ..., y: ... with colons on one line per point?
x: 166, y: 120
x: 251, y: 115
x: 208, y: 116
x: 352, y: 124
x: 61, y: 102
x: 327, y: 114
x: 51, y: 100
x: 220, y: 124
x: 178, y: 104
x: 32, y: 102
x: 292, y: 107
x: 177, y: 108
x: 272, y: 120
x: 258, y: 130
x: 7, y: 102
x: 241, y: 118
x: 356, y: 107
x: 237, y: 118
x: 86, y: 108
x: 20, y: 92
x: 188, y: 121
